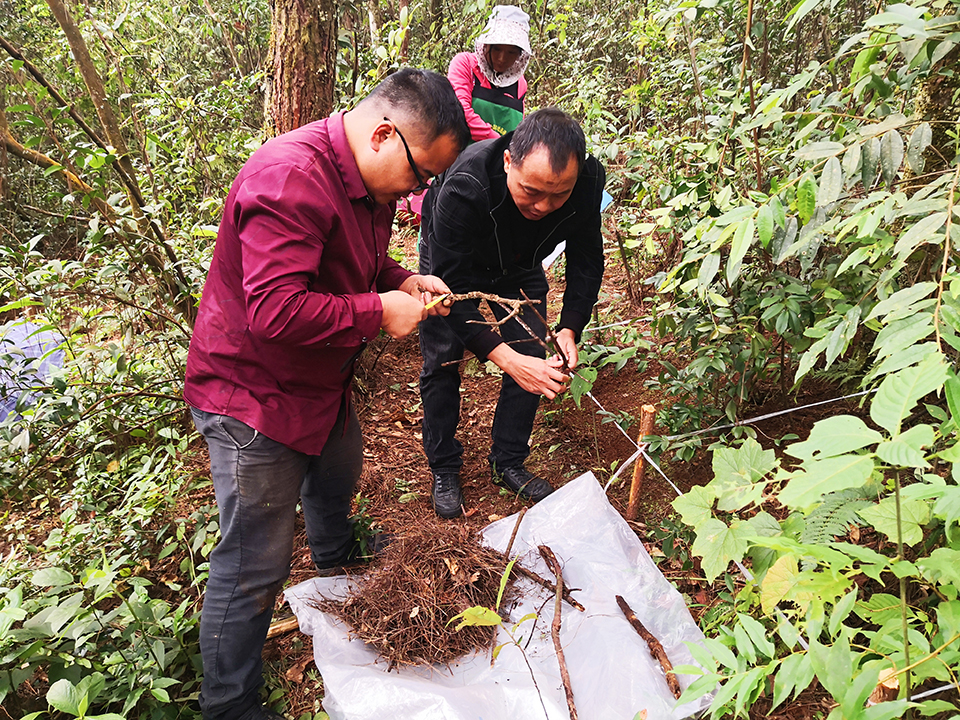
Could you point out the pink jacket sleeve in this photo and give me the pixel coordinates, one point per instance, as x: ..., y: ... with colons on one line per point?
x: 460, y: 75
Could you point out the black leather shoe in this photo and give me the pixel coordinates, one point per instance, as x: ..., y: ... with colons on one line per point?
x: 522, y: 482
x: 358, y: 554
x: 446, y: 494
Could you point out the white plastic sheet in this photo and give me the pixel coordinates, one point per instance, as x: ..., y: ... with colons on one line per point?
x: 612, y: 673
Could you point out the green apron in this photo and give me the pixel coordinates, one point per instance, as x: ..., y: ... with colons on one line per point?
x: 497, y: 107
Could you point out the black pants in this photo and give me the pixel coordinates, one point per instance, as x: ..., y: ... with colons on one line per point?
x: 440, y: 385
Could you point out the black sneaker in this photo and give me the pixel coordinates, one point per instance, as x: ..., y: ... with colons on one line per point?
x: 445, y: 494
x: 522, y: 482
x: 357, y: 555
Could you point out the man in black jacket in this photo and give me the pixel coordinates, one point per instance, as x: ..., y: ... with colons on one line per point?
x: 488, y: 223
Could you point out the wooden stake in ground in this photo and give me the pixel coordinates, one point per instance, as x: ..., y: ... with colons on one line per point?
x: 656, y: 649
x: 647, y: 414
x: 554, y: 566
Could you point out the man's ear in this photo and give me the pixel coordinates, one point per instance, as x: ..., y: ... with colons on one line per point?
x: 381, y: 132
x: 506, y: 161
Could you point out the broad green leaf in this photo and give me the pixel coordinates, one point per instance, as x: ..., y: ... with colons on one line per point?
x: 476, y: 616
x: 891, y: 155
x: 66, y: 698
x: 738, y: 472
x: 883, y: 517
x: 899, y: 393
x: 52, y: 576
x: 870, y: 162
x: 942, y: 566
x: 793, y: 676
x: 833, y: 664
x: 834, y: 436
x: 841, y: 610
x: 582, y: 382
x: 851, y: 161
x: 758, y: 635
x: 831, y: 183
x: 742, y: 240
x: 842, y: 334
x: 718, y: 544
x: 919, y: 141
x: 952, y: 391
x: 890, y: 122
x: 924, y: 231
x: 901, y: 334
x: 858, y: 256
x: 902, y: 299
x: 731, y: 217
x: 778, y: 581
x: 708, y: 271
x: 819, y: 150
x: 907, y: 449
x: 806, y: 198
x: 858, y: 691
x: 765, y: 225
x: 799, y: 12
x: 904, y: 358
x: 809, y: 358
x: 819, y: 477
x: 779, y: 212
x: 695, y: 505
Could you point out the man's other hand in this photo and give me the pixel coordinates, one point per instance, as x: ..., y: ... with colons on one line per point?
x: 568, y: 346
x: 532, y: 374
x: 401, y: 313
x: 426, y: 288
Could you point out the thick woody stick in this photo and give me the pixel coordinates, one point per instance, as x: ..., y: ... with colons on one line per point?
x: 647, y: 415
x: 656, y: 649
x: 554, y: 566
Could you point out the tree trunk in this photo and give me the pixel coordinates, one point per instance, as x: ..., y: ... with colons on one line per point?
x: 436, y: 18
x: 405, y: 43
x: 374, y: 21
x: 91, y: 78
x: 303, y: 52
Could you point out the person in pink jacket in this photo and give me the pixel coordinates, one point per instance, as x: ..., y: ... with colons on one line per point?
x: 489, y: 81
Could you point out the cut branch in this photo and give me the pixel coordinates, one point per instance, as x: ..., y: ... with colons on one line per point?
x: 656, y: 649
x: 530, y: 575
x: 554, y: 566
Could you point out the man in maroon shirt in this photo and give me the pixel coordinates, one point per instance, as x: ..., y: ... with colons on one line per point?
x: 300, y: 281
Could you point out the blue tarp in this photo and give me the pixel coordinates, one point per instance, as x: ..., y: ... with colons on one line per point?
x: 29, y: 353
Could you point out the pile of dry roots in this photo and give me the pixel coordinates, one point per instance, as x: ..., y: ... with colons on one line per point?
x: 402, y: 605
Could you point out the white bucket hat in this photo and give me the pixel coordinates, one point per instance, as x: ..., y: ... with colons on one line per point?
x: 508, y: 25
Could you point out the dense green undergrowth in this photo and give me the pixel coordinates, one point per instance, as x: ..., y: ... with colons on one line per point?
x: 784, y: 210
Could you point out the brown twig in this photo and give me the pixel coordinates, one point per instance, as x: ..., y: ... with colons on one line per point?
x: 531, y: 575
x: 282, y: 626
x: 554, y: 566
x: 656, y: 649
x: 513, y: 535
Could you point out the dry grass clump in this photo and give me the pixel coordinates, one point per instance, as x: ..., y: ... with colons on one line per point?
x: 402, y: 605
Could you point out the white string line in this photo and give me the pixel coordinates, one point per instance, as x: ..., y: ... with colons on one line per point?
x: 642, y: 450
x: 767, y: 416
x: 604, y: 327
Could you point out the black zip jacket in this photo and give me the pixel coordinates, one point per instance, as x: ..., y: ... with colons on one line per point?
x: 475, y: 233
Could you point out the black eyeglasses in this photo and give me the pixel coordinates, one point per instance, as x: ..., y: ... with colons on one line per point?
x: 421, y: 183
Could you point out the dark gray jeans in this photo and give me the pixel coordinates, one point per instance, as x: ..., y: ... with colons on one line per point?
x: 258, y: 483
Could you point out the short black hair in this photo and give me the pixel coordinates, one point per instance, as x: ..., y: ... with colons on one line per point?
x: 428, y: 99
x: 559, y: 133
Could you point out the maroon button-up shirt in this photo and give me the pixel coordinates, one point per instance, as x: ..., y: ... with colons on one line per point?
x: 290, y: 298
